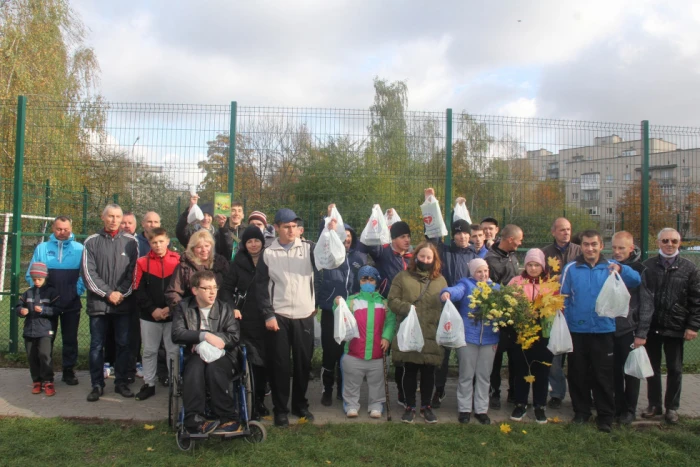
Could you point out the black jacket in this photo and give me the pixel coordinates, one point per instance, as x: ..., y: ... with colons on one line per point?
x: 179, y: 286
x: 636, y: 321
x: 503, y: 266
x: 186, y: 326
x: 38, y: 324
x: 676, y: 296
x: 183, y: 230
x: 227, y: 237
x: 151, y: 279
x: 552, y: 250
x: 455, y: 261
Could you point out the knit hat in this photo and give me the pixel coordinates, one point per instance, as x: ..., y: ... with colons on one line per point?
x: 460, y: 225
x: 475, y: 264
x: 368, y: 271
x: 257, y: 215
x: 250, y: 233
x: 207, y: 208
x: 399, y: 228
x: 535, y: 255
x: 38, y: 270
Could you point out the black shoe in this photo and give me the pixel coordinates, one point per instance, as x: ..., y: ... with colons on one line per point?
x: 408, y: 415
x: 268, y: 389
x: 261, y: 409
x: 511, y: 398
x: 69, y: 377
x: 327, y: 398
x: 438, y: 396
x: 554, y: 403
x: 671, y: 417
x: 495, y: 402
x: 145, y: 392
x: 627, y: 418
x: 165, y: 381
x: 428, y: 415
x: 580, y: 419
x: 540, y: 416
x: 281, y: 420
x: 651, y: 412
x: 604, y: 427
x: 304, y: 413
x: 124, y: 390
x: 130, y: 379
x: 518, y: 413
x: 464, y: 417
x: 95, y: 394
x: 482, y: 418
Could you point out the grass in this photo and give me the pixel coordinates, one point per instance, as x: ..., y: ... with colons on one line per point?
x: 70, y: 442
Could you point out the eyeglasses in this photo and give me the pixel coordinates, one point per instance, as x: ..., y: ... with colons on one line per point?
x: 213, y: 288
x: 674, y: 241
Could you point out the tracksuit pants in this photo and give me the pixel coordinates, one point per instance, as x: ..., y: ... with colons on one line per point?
x: 474, y: 361
x: 196, y: 378
x: 591, y: 367
x: 626, y: 386
x: 536, y: 356
x: 332, y: 351
x: 39, y: 356
x: 355, y: 370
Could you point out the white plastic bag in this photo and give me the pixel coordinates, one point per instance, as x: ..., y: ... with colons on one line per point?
x: 340, y: 226
x: 432, y: 218
x: 410, y: 337
x: 329, y: 252
x: 376, y: 232
x: 195, y: 214
x: 450, y: 331
x: 208, y: 352
x: 461, y: 212
x: 613, y: 299
x: 638, y: 364
x: 344, y: 323
x: 393, y: 219
x: 560, y: 337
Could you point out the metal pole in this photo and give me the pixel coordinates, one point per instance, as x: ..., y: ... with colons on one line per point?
x: 622, y: 221
x: 47, y: 199
x: 17, y: 220
x: 645, y: 190
x: 232, y: 149
x: 179, y: 204
x: 678, y: 222
x: 85, y: 204
x: 133, y: 168
x: 448, y: 172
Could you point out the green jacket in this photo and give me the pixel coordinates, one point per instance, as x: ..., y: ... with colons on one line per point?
x: 405, y: 290
x: 374, y: 321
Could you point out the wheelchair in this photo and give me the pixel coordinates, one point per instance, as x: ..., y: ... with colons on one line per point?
x: 242, y: 391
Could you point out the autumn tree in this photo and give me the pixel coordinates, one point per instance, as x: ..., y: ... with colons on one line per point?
x: 660, y: 213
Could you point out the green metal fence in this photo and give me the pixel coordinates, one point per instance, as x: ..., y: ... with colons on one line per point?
x: 80, y: 156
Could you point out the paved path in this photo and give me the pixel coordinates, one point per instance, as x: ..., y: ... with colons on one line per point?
x: 16, y: 399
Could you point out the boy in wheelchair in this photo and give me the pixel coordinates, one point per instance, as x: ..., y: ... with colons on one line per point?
x: 208, y: 329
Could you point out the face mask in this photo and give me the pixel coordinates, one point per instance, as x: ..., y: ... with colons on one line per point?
x: 367, y: 287
x: 424, y: 266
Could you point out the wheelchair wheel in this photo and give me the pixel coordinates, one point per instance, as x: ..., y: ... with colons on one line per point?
x: 184, y: 443
x: 258, y: 434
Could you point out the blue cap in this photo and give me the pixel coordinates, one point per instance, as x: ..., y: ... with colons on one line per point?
x: 367, y: 271
x: 285, y: 215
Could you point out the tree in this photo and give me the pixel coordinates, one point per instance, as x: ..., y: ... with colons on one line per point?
x: 660, y: 213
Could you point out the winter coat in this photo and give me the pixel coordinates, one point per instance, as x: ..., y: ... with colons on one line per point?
x: 482, y: 252
x: 675, y: 296
x: 62, y: 258
x: 332, y: 283
x: 388, y: 262
x: 38, y: 324
x: 183, y: 230
x: 474, y: 332
x: 565, y: 256
x: 374, y: 321
x: 405, y: 290
x: 356, y: 259
x: 531, y: 288
x: 636, y: 321
x: 503, y: 266
x: 180, y: 288
x: 228, y: 239
x: 151, y: 279
x: 108, y: 265
x: 222, y: 323
x: 144, y: 245
x: 454, y: 261
x: 582, y: 284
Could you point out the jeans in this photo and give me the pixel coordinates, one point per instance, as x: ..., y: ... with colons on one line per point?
x: 70, y: 320
x: 557, y: 378
x: 98, y: 334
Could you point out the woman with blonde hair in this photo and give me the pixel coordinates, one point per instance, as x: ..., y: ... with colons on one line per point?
x: 420, y: 286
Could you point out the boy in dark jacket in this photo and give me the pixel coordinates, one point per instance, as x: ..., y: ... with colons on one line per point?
x: 36, y: 305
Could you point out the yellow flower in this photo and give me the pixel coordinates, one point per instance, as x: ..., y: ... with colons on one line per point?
x: 470, y: 315
x: 472, y: 305
x: 495, y: 329
x: 553, y: 264
x: 510, y: 321
x: 505, y: 428
x: 502, y: 324
x: 529, y: 379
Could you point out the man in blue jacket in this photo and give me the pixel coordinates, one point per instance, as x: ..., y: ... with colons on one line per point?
x: 591, y: 364
x: 62, y: 254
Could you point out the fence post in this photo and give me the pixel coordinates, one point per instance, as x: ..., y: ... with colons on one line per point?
x: 179, y: 203
x: 232, y: 149
x: 85, y: 203
x: 17, y: 220
x: 115, y: 198
x: 448, y: 173
x: 622, y: 221
x: 47, y: 200
x: 678, y: 222
x: 645, y: 189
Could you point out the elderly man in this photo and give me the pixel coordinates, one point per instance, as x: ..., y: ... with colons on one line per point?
x: 62, y: 255
x: 107, y: 268
x: 149, y: 221
x: 674, y: 283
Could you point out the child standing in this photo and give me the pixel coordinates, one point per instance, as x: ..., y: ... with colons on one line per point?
x: 363, y: 355
x: 476, y: 358
x: 36, y: 305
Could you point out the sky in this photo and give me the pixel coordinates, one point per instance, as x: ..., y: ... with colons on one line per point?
x: 602, y: 60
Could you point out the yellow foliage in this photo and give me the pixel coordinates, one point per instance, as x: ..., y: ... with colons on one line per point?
x: 505, y: 428
x: 529, y: 379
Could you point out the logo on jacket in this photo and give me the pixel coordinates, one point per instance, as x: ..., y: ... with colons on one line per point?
x: 50, y: 253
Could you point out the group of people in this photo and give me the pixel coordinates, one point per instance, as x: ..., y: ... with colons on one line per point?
x: 239, y: 283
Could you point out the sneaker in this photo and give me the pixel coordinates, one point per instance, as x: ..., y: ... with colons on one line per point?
x: 36, y: 387
x: 69, y: 377
x: 540, y: 416
x: 351, y: 413
x: 281, y: 420
x: 204, y: 428
x: 228, y: 427
x: 327, y: 398
x: 375, y: 414
x: 124, y: 390
x: 483, y: 418
x: 304, y: 413
x: 627, y: 418
x: 165, y: 381
x: 268, y: 389
x: 511, y: 398
x: 139, y: 370
x: 95, y: 394
x: 671, y: 416
x: 554, y: 403
x: 518, y: 413
x: 604, y: 427
x: 651, y: 412
x: 580, y: 419
x: 105, y: 370
x: 428, y: 415
x: 49, y: 389
x: 464, y: 417
x: 438, y: 396
x: 409, y: 415
x: 145, y: 392
x: 111, y: 371
x: 495, y: 402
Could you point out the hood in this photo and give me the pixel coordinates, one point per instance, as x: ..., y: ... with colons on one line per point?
x: 635, y: 257
x: 353, y: 235
x: 53, y: 238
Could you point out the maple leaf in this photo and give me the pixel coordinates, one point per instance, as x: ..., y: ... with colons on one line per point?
x: 546, y: 364
x: 303, y: 420
x: 529, y: 378
x: 150, y: 449
x: 505, y: 428
x: 554, y: 420
x: 554, y: 264
x: 524, y: 432
x: 148, y: 427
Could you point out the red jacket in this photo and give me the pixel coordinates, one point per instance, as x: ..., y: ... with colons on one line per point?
x: 151, y: 278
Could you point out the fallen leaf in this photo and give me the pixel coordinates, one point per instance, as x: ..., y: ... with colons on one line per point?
x: 150, y: 449
x: 529, y: 378
x: 303, y: 420
x: 148, y: 427
x: 546, y: 363
x: 524, y: 432
x: 554, y: 420
x: 268, y: 418
x: 328, y: 462
x: 483, y: 444
x: 505, y: 428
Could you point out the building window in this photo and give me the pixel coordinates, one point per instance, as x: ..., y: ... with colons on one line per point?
x: 574, y: 196
x: 609, y: 226
x: 593, y: 211
x: 609, y: 179
x: 628, y: 177
x: 629, y: 152
x: 686, y: 171
x: 590, y: 195
x: 668, y: 190
x: 608, y: 210
x: 664, y: 174
x: 608, y: 194
x: 575, y: 180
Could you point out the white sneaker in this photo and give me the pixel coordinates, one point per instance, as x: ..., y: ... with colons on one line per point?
x: 375, y: 414
x: 139, y: 370
x: 352, y: 413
